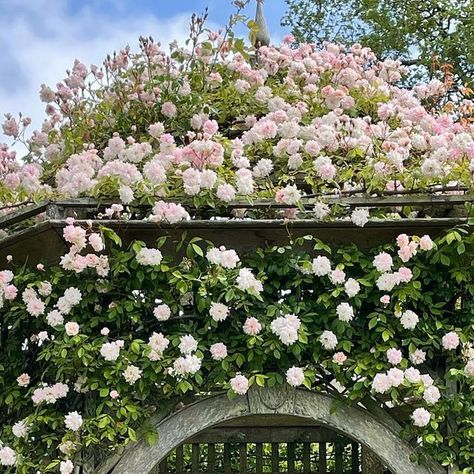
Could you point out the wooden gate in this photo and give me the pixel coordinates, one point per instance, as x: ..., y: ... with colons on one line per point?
x: 267, y: 444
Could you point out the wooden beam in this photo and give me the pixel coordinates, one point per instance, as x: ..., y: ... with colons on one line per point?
x: 284, y: 434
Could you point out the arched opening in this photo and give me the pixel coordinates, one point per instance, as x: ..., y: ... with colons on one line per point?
x: 257, y: 444
x: 312, y: 410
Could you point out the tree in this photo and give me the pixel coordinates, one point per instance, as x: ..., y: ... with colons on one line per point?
x: 425, y: 35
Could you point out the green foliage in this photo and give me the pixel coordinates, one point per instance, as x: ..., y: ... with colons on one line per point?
x: 441, y: 293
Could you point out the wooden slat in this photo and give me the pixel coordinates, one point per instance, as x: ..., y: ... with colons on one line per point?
x: 355, y: 465
x: 179, y: 460
x: 339, y: 457
x: 291, y: 458
x: 22, y: 214
x: 275, y: 458
x: 243, y: 458
x: 195, y: 458
x: 227, y: 459
x: 322, y: 463
x: 259, y: 458
x: 163, y: 469
x: 387, y: 199
x: 211, y: 458
x: 306, y: 458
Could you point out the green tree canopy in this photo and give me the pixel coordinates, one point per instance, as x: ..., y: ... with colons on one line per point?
x: 419, y: 33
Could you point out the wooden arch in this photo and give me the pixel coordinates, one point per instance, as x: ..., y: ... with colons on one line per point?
x: 355, y: 423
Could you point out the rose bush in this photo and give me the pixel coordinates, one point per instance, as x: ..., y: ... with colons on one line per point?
x: 212, y: 123
x: 92, y: 347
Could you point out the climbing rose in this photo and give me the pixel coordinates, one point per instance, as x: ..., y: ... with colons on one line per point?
x: 339, y: 358
x: 381, y: 383
x: 20, y: 429
x: 168, y: 109
x: 412, y: 375
x: 156, y: 130
x: 469, y: 369
x: 383, y: 262
x: 239, y: 384
x: 218, y: 351
x: 286, y: 328
x: 321, y: 210
x: 23, y: 380
x: 149, y: 257
x: 385, y: 300
x: 345, y: 312
x: 395, y: 376
x: 111, y: 350
x: 54, y: 318
x: 96, y: 242
x: 295, y: 376
x: 73, y: 421
x: 66, y: 467
x: 246, y: 281
x: 72, y: 328
x: 421, y: 417
x: 187, y: 344
x: 426, y: 243
x: 131, y: 374
x: 223, y: 257
x: 352, y: 287
x: 226, y: 192
x: 450, y: 341
x: 162, y: 312
x: 289, y: 195
x: 169, y: 212
x: 360, y: 216
x: 321, y: 266
x: 409, y: 319
x: 417, y: 357
x: 219, y: 311
x: 404, y: 274
x: 328, y: 340
x: 427, y: 380
x: 114, y: 394
x: 189, y: 364
x: 252, y: 326
x: 394, y: 356
x: 337, y: 276
x: 158, y: 343
x: 7, y: 456
x: 431, y: 395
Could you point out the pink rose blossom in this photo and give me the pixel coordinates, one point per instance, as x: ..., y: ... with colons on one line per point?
x: 421, y: 417
x: 218, y: 351
x: 394, y: 356
x: 72, y: 328
x: 385, y: 300
x: 339, y: 358
x: 23, y: 380
x: 450, y: 341
x: 239, y: 384
x: 252, y: 326
x: 426, y: 243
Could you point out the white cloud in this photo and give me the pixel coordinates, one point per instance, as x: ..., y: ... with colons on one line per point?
x: 41, y: 40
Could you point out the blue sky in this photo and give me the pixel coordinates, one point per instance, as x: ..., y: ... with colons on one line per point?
x: 40, y: 39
